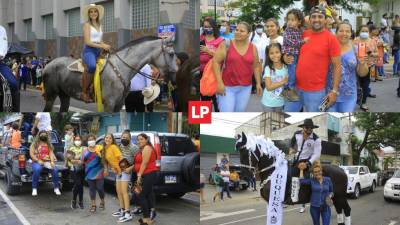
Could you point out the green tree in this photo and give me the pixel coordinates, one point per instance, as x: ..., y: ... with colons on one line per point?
x: 387, y: 161
x: 379, y: 128
x: 59, y: 120
x: 370, y: 161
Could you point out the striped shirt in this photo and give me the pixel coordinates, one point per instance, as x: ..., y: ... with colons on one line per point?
x: 129, y: 152
x: 93, y: 165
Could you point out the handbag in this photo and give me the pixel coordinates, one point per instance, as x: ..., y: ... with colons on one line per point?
x: 208, y: 82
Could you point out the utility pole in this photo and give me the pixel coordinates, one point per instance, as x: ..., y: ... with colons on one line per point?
x: 349, y: 141
x: 215, y: 10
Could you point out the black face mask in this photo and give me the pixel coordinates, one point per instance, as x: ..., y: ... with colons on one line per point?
x: 43, y: 138
x: 125, y: 142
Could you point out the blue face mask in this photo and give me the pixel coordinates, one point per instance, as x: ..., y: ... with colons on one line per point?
x: 222, y: 29
x: 364, y: 35
x: 259, y: 30
x: 208, y: 31
x: 333, y: 30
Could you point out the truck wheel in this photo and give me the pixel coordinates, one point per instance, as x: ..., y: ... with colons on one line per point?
x: 191, y: 168
x: 373, y: 186
x: 176, y: 195
x: 10, y: 178
x: 357, y: 191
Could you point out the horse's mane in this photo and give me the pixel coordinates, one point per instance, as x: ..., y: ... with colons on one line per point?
x: 138, y: 41
x: 266, y: 147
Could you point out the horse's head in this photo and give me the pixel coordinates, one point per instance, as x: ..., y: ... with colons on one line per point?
x: 166, y: 60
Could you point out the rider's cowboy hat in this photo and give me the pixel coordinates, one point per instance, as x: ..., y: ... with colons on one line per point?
x: 86, y: 8
x: 150, y: 93
x: 308, y: 123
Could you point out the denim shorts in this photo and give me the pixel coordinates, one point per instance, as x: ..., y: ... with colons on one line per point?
x: 123, y: 177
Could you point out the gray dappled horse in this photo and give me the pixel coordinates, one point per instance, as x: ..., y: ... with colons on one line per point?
x: 118, y: 71
x: 262, y: 161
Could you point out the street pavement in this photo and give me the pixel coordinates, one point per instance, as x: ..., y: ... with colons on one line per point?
x: 386, y: 95
x: 248, y: 207
x: 32, y: 101
x: 49, y: 209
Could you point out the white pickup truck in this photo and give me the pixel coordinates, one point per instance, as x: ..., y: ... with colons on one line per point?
x: 360, y: 179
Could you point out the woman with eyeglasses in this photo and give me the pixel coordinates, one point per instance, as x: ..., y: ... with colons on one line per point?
x: 321, y: 194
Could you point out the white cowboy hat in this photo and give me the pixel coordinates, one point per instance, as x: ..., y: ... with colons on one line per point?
x: 86, y: 8
x: 150, y: 93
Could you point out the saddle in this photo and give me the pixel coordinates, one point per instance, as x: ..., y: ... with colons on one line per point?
x: 76, y: 66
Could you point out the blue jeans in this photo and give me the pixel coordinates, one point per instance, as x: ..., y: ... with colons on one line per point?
x: 225, y: 188
x: 381, y: 72
x: 37, y: 169
x: 324, y: 212
x: 396, y: 63
x: 311, y: 99
x: 345, y: 105
x: 292, y: 73
x: 235, y: 99
x: 90, y: 55
x: 292, y: 106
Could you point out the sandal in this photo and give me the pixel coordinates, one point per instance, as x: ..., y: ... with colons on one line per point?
x: 93, y: 208
x: 102, y: 206
x: 364, y: 108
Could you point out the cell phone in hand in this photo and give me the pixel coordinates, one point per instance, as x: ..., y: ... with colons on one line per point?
x: 324, y: 104
x: 202, y: 42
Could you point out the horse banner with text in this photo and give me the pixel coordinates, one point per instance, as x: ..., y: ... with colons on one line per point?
x: 277, y: 194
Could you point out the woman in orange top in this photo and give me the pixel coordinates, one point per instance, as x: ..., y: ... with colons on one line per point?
x: 146, y: 169
x: 15, y: 136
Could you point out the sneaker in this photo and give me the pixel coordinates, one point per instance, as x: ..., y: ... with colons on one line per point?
x: 137, y: 211
x: 73, y: 204
x: 34, y: 192
x: 126, y: 217
x: 153, y: 215
x: 302, y: 209
x: 57, y: 191
x: 118, y: 213
x: 80, y: 205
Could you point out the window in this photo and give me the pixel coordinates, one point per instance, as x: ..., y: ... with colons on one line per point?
x: 74, y: 22
x: 108, y: 23
x: 111, y: 129
x: 145, y: 14
x: 48, y: 27
x: 28, y: 30
x: 10, y: 33
x: 176, y: 146
x: 191, y: 16
x: 211, y: 2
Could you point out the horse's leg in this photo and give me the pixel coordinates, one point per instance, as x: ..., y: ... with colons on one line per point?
x: 64, y: 99
x: 339, y: 211
x: 49, y: 103
x: 347, y: 211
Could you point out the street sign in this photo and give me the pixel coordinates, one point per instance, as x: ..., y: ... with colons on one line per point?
x: 167, y: 30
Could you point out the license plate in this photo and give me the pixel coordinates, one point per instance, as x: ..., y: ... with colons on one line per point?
x: 170, y: 179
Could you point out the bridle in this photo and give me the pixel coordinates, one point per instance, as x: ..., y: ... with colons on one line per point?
x: 137, y: 71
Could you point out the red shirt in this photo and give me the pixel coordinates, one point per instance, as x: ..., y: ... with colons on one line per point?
x: 211, y: 45
x: 238, y: 69
x: 151, y: 165
x: 314, y: 60
x: 43, y: 153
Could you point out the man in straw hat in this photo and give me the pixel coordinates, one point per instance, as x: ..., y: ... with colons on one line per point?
x: 92, y: 15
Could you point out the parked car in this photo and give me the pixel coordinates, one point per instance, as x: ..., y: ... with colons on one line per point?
x: 360, y: 179
x: 180, y: 162
x: 243, y: 183
x: 387, y: 175
x: 16, y: 165
x: 391, y: 189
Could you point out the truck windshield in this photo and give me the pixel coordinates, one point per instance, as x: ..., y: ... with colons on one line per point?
x: 397, y: 174
x: 352, y: 170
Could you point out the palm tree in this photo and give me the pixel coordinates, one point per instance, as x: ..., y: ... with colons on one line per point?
x: 387, y: 161
x: 370, y: 161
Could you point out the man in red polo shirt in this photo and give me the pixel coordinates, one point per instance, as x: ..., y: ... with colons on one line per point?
x: 320, y: 50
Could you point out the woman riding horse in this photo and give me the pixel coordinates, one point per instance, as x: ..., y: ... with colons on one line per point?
x: 93, y: 39
x: 255, y: 154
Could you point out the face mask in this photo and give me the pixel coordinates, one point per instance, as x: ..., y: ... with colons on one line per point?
x: 77, y: 143
x: 333, y: 31
x: 91, y: 143
x: 208, y: 31
x: 125, y: 142
x: 364, y: 35
x: 222, y: 29
x: 259, y: 30
x: 43, y: 138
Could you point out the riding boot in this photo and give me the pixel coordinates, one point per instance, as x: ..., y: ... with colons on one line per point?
x: 347, y: 220
x: 85, y: 88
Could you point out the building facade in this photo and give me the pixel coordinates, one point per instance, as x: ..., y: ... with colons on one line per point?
x: 54, y: 28
x: 264, y: 124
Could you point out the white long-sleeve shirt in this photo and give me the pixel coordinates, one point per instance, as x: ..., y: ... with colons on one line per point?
x: 3, y: 42
x: 311, y: 147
